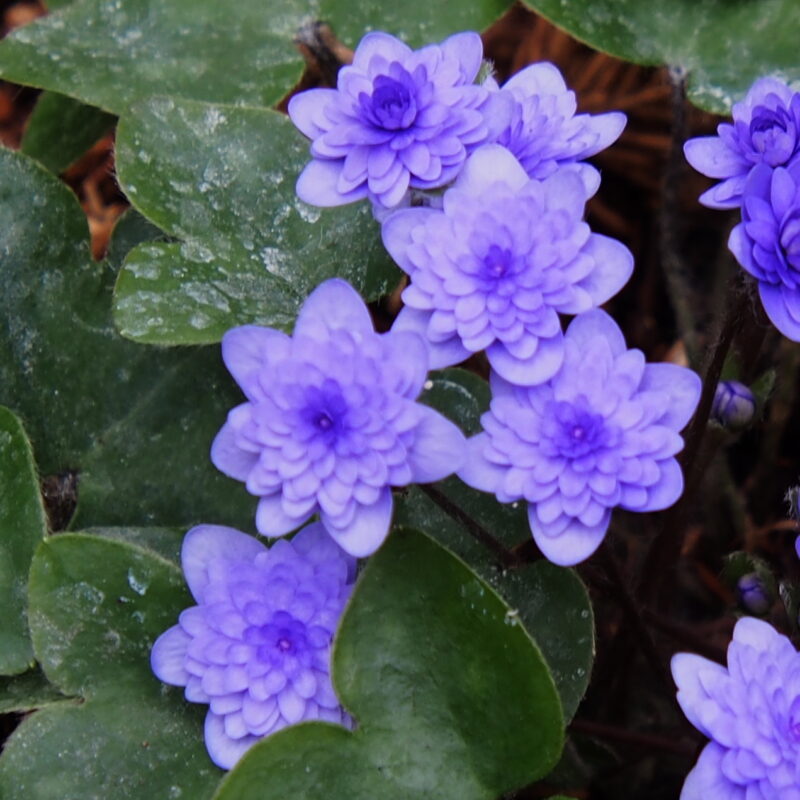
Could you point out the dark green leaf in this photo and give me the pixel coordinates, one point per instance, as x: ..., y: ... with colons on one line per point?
x: 60, y: 130
x: 417, y: 23
x: 27, y: 691
x: 126, y: 744
x: 110, y: 54
x: 135, y: 422
x: 221, y: 180
x: 451, y: 697
x: 22, y: 527
x: 550, y: 601
x: 96, y: 606
x: 131, y: 229
x: 723, y: 46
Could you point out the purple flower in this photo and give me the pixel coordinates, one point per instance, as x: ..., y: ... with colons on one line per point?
x: 753, y: 594
x: 765, y: 130
x: 601, y: 433
x: 257, y: 646
x: 734, y: 405
x: 750, y: 711
x: 767, y: 242
x: 497, y: 264
x: 545, y: 133
x: 330, y: 422
x: 398, y: 118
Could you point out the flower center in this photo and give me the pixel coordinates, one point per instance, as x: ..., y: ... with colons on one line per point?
x: 772, y: 135
x: 497, y: 261
x: 392, y: 105
x: 573, y: 430
x: 323, y: 421
x: 284, y: 644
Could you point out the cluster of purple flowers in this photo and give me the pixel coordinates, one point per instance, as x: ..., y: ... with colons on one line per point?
x: 578, y: 423
x: 481, y: 192
x: 758, y: 159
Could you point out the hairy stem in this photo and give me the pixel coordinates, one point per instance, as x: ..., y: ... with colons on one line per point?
x: 474, y: 528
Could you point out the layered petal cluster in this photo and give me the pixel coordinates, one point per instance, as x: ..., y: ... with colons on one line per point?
x: 767, y: 242
x: 751, y: 712
x: 398, y: 118
x: 331, y: 422
x: 765, y: 130
x: 545, y: 133
x: 603, y: 432
x: 493, y: 268
x: 257, y: 646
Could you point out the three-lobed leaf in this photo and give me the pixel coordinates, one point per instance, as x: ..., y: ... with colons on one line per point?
x: 221, y: 180
x: 452, y: 699
x: 111, y: 53
x: 134, y: 422
x: 96, y: 607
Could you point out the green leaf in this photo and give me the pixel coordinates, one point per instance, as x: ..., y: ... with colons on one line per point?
x: 131, y: 229
x: 417, y: 23
x: 451, y: 700
x: 222, y: 180
x: 135, y: 422
x: 722, y: 45
x: 551, y: 602
x: 60, y: 130
x: 27, y: 691
x: 110, y: 54
x: 165, y: 542
x: 96, y: 607
x: 22, y: 527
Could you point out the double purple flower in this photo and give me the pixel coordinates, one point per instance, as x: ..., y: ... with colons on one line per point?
x: 398, y: 119
x: 330, y: 423
x: 765, y: 130
x: 767, y: 242
x: 603, y: 432
x: 544, y: 132
x: 495, y: 266
x: 750, y: 711
x: 257, y: 646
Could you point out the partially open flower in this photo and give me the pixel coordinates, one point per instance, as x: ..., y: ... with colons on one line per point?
x: 398, y: 119
x: 767, y: 243
x: 331, y: 423
x: 545, y: 133
x: 257, y: 645
x: 765, y: 130
x: 751, y: 713
x: 603, y: 432
x: 734, y: 405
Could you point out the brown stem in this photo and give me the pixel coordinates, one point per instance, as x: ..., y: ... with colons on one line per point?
x: 475, y: 529
x: 667, y: 544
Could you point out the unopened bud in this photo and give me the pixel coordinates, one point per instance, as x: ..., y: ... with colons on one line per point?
x: 753, y: 594
x: 734, y: 405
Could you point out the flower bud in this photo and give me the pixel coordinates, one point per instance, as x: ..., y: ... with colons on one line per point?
x: 753, y: 594
x: 734, y: 405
